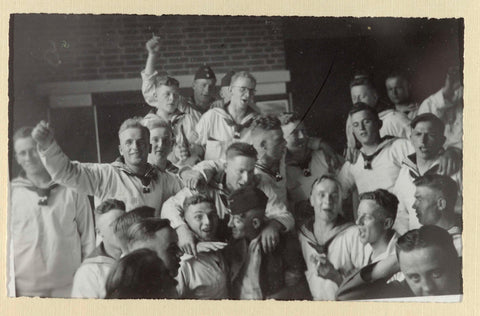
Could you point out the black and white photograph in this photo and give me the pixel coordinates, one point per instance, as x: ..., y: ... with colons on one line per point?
x: 214, y: 157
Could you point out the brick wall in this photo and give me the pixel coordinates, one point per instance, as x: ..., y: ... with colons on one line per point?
x: 85, y: 47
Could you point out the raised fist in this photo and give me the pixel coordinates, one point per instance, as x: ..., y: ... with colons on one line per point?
x: 43, y: 135
x: 153, y: 45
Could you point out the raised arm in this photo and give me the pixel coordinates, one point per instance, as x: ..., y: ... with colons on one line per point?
x: 87, y: 178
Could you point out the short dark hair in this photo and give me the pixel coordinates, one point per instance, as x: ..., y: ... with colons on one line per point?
x: 266, y: 123
x: 428, y: 236
x: 145, y: 229
x: 446, y: 185
x: 288, y: 117
x: 362, y: 81
x: 22, y: 132
x: 398, y: 74
x: 196, y: 199
x: 241, y: 149
x: 386, y: 200
x: 123, y: 223
x: 140, y: 274
x: 360, y: 106
x: 108, y: 205
x: 429, y: 117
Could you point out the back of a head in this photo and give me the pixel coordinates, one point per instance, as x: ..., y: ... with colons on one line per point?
x: 443, y: 184
x: 246, y: 199
x: 145, y: 230
x: 241, y: 149
x: 265, y: 123
x: 429, y: 236
x: 288, y: 117
x: 123, y: 223
x: 108, y: 205
x: 386, y: 200
x: 140, y: 275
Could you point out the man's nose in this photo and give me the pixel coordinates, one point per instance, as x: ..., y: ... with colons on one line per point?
x: 206, y: 221
x: 428, y: 287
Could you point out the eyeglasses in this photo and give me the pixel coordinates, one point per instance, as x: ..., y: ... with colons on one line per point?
x: 245, y: 89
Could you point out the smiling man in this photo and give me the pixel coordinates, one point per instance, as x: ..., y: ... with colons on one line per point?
x: 236, y: 172
x: 221, y: 126
x: 130, y: 179
x: 203, y: 84
x: 51, y: 226
x: 203, y: 276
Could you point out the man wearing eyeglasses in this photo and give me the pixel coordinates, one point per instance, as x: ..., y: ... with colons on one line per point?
x: 219, y: 127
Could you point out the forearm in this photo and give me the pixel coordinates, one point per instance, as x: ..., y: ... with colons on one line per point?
x: 150, y: 64
x: 74, y: 175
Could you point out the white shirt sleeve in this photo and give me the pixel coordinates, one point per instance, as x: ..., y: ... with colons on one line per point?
x: 85, y: 227
x: 172, y: 208
x: 148, y: 87
x: 88, y: 178
x: 346, y: 179
x: 435, y: 104
x: 276, y: 209
x: 86, y: 283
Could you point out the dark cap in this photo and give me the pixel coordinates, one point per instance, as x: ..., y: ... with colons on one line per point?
x: 245, y: 199
x: 204, y: 72
x: 227, y: 79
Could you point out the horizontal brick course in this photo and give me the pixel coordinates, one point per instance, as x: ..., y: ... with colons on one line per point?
x: 109, y: 47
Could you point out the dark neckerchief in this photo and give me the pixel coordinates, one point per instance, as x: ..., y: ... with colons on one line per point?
x: 194, y: 106
x: 414, y: 173
x: 150, y: 174
x: 221, y: 189
x: 171, y: 167
x: 341, y: 224
x: 43, y: 193
x: 178, y: 116
x: 304, y: 164
x: 276, y: 175
x: 237, y: 128
x: 367, y: 159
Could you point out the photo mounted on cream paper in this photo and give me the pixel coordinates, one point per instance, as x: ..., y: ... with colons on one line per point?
x: 235, y: 157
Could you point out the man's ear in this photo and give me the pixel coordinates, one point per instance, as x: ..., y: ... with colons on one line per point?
x: 388, y: 223
x: 256, y: 222
x: 441, y: 204
x: 263, y: 144
x: 380, y: 123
